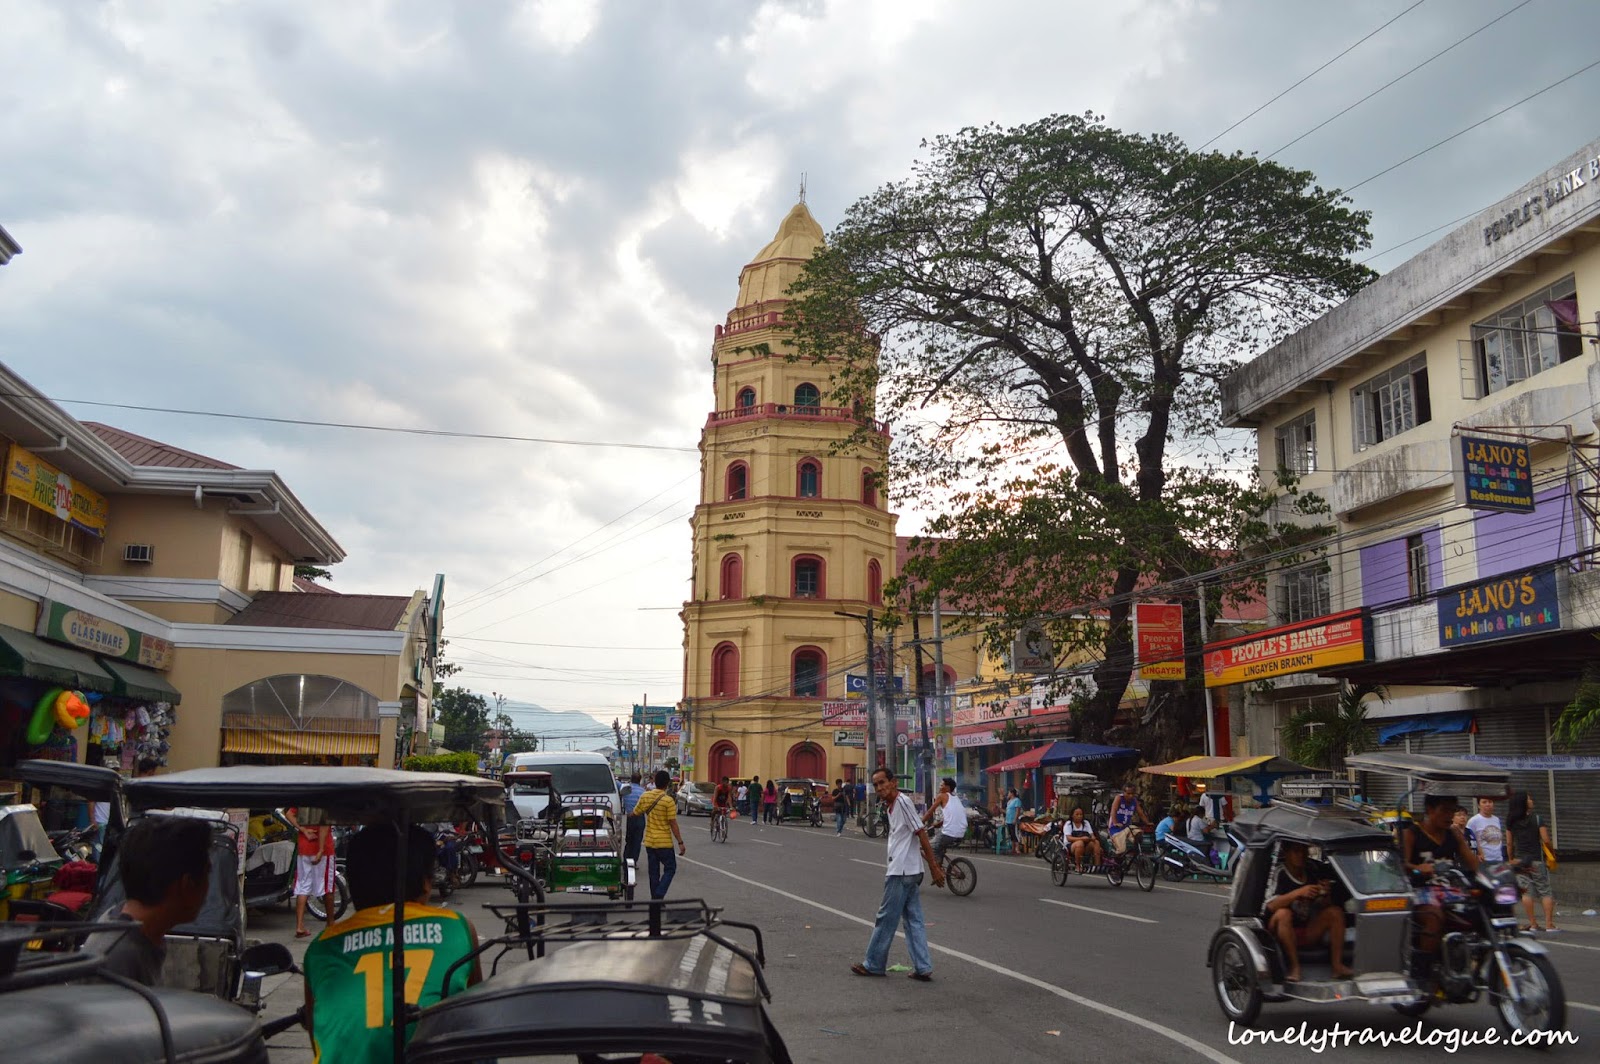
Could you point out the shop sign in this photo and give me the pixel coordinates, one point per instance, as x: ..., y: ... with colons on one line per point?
x: 655, y: 716
x: 1158, y: 640
x: 1493, y: 474
x: 1500, y: 608
x: 63, y: 624
x: 850, y: 737
x: 982, y: 738
x: 845, y: 714
x: 1338, y: 639
x: 666, y: 739
x: 1572, y: 182
x: 857, y: 685
x: 40, y: 484
x: 1032, y: 650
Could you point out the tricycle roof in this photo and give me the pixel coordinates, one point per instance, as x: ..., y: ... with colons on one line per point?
x: 1325, y: 826
x: 95, y: 782
x: 1435, y: 774
x: 689, y: 996
x: 346, y: 794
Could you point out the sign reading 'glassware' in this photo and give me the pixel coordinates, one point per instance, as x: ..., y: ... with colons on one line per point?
x: 1501, y: 607
x: 63, y: 624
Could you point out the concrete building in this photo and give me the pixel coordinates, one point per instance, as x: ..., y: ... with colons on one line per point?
x: 161, y: 583
x: 1448, y: 414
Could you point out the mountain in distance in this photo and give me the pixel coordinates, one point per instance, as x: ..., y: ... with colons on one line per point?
x: 556, y: 728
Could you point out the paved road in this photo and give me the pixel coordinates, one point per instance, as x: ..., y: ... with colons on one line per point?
x: 1024, y: 970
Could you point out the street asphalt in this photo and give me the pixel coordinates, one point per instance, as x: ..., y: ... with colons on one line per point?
x: 1024, y: 970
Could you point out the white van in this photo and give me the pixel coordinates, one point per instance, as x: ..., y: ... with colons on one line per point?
x: 576, y: 773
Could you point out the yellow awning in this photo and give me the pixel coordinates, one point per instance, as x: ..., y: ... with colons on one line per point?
x: 1208, y: 768
x: 299, y: 743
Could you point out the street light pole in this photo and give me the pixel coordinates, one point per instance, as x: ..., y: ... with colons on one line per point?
x: 872, y: 684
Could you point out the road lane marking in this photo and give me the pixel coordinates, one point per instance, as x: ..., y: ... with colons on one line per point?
x: 764, y: 842
x: 1545, y: 940
x: 1581, y: 1005
x: 1214, y: 1055
x: 1102, y: 912
x: 870, y: 864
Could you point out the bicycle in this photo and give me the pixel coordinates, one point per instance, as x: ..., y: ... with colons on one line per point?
x: 960, y: 874
x: 719, y: 825
x: 872, y: 820
x: 1138, y: 857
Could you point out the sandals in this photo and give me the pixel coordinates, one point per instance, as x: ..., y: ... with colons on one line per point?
x: 921, y: 977
x: 302, y: 934
x: 861, y: 969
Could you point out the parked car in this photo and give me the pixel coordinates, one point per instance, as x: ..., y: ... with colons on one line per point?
x: 694, y: 799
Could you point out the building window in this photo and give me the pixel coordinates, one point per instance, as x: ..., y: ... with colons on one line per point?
x: 1297, y: 444
x: 874, y: 582
x: 869, y: 488
x: 1391, y: 403
x: 808, y: 576
x: 1417, y: 568
x: 1304, y: 594
x: 806, y: 397
x: 746, y: 400
x: 810, y: 479
x: 738, y: 480
x: 725, y: 670
x: 810, y: 673
x: 732, y: 577
x: 1529, y: 337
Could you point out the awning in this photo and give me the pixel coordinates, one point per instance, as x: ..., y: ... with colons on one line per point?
x: 25, y: 654
x: 299, y: 743
x: 140, y: 683
x: 1428, y: 724
x: 1210, y: 768
x: 1061, y: 752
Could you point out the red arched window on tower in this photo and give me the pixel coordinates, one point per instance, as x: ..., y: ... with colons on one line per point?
x: 809, y: 577
x: 746, y: 400
x: 738, y: 480
x: 869, y: 488
x: 732, y: 577
x: 724, y: 671
x: 874, y: 582
x: 810, y: 673
x: 808, y: 479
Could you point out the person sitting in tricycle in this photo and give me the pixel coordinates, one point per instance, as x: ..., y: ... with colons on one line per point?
x: 1302, y: 912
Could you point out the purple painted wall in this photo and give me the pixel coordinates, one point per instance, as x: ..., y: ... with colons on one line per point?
x: 1516, y: 541
x: 1384, y: 572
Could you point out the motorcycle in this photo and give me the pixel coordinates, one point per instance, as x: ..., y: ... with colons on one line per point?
x: 1181, y: 857
x: 269, y: 868
x: 1480, y: 952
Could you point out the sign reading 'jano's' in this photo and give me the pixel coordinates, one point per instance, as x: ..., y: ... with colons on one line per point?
x: 1494, y: 475
x: 1500, y: 608
x: 63, y: 624
x: 1338, y: 639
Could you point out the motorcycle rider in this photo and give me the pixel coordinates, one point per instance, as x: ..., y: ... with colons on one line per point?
x: 1428, y: 840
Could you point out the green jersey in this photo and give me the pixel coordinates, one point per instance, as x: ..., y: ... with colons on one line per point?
x: 348, y: 969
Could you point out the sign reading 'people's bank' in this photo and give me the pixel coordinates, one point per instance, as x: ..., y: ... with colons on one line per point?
x: 1494, y: 474
x: 1337, y: 639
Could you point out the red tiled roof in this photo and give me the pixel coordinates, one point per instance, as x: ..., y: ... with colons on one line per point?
x: 311, y: 587
x: 142, y: 451
x: 294, y: 609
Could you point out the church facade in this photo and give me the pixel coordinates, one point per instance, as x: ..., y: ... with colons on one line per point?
x: 791, y: 534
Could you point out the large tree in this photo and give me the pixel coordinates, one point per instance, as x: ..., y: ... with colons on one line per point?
x: 465, y: 717
x: 1046, y: 313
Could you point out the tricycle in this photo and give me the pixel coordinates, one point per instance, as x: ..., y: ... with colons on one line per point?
x: 801, y: 799
x: 1313, y: 871
x: 572, y: 846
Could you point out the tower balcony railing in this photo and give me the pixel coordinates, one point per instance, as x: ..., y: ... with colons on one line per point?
x: 755, y: 321
x: 790, y: 410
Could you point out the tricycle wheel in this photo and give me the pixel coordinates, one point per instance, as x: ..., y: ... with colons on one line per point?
x: 1116, y: 870
x: 468, y: 872
x: 1059, y: 870
x: 1234, y: 979
x: 1542, y: 1005
x: 1415, y: 1009
x: 1144, y: 872
x: 341, y: 900
x: 1173, y: 873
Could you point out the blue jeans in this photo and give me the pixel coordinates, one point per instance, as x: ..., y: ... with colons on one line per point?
x: 839, y: 816
x: 634, y: 839
x: 663, y: 866
x: 901, y: 898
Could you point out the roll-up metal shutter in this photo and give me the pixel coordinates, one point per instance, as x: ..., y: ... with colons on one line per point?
x: 1575, y: 826
x: 1513, y: 733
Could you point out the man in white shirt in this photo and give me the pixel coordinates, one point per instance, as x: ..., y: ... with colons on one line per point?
x: 743, y: 797
x: 1488, y: 832
x: 901, y: 885
x: 953, y: 826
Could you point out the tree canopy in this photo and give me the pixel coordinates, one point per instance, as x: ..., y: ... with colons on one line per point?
x: 465, y: 717
x: 1045, y: 313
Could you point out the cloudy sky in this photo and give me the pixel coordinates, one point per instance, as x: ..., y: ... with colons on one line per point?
x: 526, y: 218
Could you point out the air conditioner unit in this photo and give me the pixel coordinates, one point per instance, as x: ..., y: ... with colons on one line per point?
x: 139, y: 552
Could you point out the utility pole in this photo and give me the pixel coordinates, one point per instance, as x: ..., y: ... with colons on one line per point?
x: 939, y: 698
x: 1211, y: 710
x: 888, y: 682
x: 872, y: 699
x: 925, y: 757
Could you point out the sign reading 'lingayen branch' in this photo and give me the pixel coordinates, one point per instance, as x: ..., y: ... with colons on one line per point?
x: 1501, y: 607
x: 1494, y: 474
x: 63, y: 624
x: 1337, y: 639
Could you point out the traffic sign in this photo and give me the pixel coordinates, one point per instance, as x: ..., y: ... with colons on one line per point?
x: 903, y: 739
x: 675, y: 725
x: 857, y: 685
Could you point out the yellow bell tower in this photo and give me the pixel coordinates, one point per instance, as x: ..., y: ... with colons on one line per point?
x: 787, y: 535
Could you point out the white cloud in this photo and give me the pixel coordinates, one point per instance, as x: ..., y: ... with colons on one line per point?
x: 559, y: 24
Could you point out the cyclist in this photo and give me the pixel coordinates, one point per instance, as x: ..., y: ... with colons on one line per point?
x: 1127, y: 815
x: 953, y: 827
x: 720, y: 802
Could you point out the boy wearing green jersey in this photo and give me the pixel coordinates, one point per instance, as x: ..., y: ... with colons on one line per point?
x: 348, y: 967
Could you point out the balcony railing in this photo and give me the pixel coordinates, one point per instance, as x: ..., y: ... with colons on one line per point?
x: 755, y: 321
x: 790, y: 410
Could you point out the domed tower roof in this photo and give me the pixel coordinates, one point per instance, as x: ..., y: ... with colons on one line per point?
x: 778, y: 265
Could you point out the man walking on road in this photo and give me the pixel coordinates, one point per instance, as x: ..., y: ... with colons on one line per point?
x: 908, y: 849
x: 841, y: 805
x: 660, y: 812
